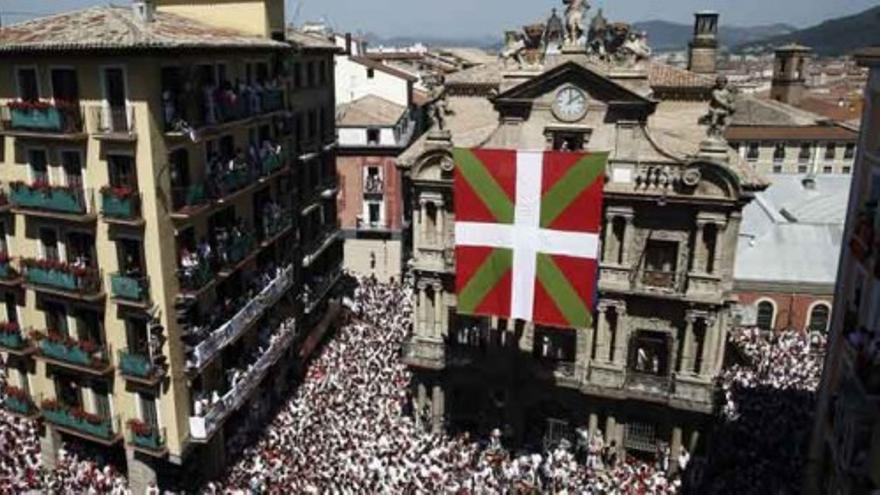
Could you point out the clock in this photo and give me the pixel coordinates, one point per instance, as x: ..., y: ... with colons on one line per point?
x: 570, y: 104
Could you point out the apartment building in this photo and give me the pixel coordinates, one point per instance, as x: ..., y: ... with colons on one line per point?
x: 844, y: 457
x: 168, y: 200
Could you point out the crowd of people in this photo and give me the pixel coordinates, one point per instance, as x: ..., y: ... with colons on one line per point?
x: 767, y: 415
x: 349, y: 427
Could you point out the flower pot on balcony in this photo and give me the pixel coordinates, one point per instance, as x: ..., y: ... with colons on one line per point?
x: 130, y: 288
x: 60, y: 199
x: 63, y: 352
x: 51, y: 278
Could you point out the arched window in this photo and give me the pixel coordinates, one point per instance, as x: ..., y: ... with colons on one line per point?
x: 765, y: 315
x: 819, y: 318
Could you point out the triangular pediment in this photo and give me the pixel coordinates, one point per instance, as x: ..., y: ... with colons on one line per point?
x: 590, y: 79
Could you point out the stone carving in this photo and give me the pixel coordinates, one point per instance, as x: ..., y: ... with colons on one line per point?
x: 635, y: 48
x: 554, y: 33
x: 574, y: 20
x: 514, y: 46
x: 439, y: 110
x: 596, y: 38
x: 722, y: 106
x: 616, y: 42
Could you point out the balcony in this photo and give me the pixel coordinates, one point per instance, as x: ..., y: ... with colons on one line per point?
x: 276, y: 224
x: 42, y: 119
x: 195, y: 275
x: 9, y: 276
x: 659, y: 279
x: 63, y: 279
x: 648, y: 384
x: 121, y: 205
x: 189, y: 200
x: 113, y: 123
x: 146, y: 438
x: 233, y: 328
x: 13, y: 341
x: 58, y: 202
x: 218, y: 108
x: 80, y: 423
x: 83, y: 356
x: 313, y: 248
x: 139, y: 368
x: 234, y: 250
x: 130, y: 290
x: 19, y: 403
x: 316, y: 290
x: 202, y: 428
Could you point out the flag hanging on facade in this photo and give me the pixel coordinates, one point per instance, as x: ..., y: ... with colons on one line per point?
x: 527, y: 227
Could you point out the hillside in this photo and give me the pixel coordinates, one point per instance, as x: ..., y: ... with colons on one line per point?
x: 670, y: 36
x: 833, y: 37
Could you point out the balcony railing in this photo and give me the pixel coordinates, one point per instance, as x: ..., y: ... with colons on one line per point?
x: 659, y: 279
x: 138, y: 366
x: 194, y: 278
x: 43, y: 117
x: 11, y: 337
x: 317, y: 289
x: 76, y: 420
x: 129, y: 288
x: 112, y: 121
x: 217, y: 107
x: 188, y: 197
x: 18, y: 402
x: 66, y: 350
x: 274, y: 224
x: 242, y: 320
x: 45, y: 197
x: 7, y: 271
x: 649, y: 383
x: 120, y: 203
x: 146, y: 437
x: 62, y: 276
x: 236, y: 248
x: 203, y: 427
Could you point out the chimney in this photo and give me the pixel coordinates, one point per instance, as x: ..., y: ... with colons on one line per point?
x: 348, y: 44
x: 790, y: 73
x: 144, y: 10
x: 703, y: 48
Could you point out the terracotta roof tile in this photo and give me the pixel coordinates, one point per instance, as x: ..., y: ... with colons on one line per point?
x: 369, y: 110
x: 367, y: 62
x: 115, y: 27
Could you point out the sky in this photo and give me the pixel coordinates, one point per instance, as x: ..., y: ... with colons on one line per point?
x: 477, y: 18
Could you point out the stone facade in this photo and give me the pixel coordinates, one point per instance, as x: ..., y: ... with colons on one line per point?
x: 668, y: 246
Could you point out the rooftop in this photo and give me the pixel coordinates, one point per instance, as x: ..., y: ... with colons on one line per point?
x: 115, y: 27
x: 369, y: 110
x: 376, y: 65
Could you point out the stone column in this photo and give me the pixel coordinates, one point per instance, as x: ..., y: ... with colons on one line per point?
x: 610, y: 430
x: 423, y: 226
x: 687, y: 350
x: 628, y: 235
x: 438, y: 405
x: 674, y: 448
x: 700, y: 247
x: 720, y: 235
x: 593, y: 423
x: 439, y: 224
x: 621, y: 336
x: 584, y: 344
x: 423, y: 307
x: 438, y: 310
x: 602, y: 334
x: 609, y: 244
x: 709, y: 343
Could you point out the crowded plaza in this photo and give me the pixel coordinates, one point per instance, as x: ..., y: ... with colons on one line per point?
x: 349, y: 427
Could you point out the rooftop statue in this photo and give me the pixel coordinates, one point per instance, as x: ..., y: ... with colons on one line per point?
x: 574, y: 20
x: 722, y: 106
x: 554, y: 33
x: 514, y: 45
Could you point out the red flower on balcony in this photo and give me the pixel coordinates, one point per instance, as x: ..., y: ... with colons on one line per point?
x: 9, y: 327
x: 40, y: 185
x: 120, y: 192
x: 30, y: 105
x: 16, y: 393
x: 140, y: 428
x: 50, y: 405
x: 55, y: 265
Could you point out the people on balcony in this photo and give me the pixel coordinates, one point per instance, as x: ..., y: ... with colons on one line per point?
x: 223, y: 102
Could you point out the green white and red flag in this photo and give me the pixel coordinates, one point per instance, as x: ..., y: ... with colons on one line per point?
x: 527, y: 227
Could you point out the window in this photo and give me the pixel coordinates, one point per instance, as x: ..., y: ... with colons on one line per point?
x: 735, y: 146
x: 101, y: 398
x: 49, y: 244
x: 297, y: 75
x: 374, y: 213
x: 148, y: 410
x: 850, y: 151
x: 806, y: 152
x: 310, y: 74
x: 136, y: 335
x: 846, y: 169
x: 88, y: 325
x: 56, y: 317
x: 828, y: 169
x: 67, y: 391
x: 371, y: 73
x: 641, y: 437
x: 766, y: 314
x: 373, y: 181
x: 649, y: 352
x: 122, y: 171
x: 753, y: 152
x: 39, y: 165
x: 777, y: 169
x: 28, y: 88
x: 554, y: 344
x: 568, y: 141
x: 11, y: 307
x: 64, y: 85
x: 830, y: 151
x: 661, y: 259
x: 313, y: 124
x: 322, y: 74
x: 373, y: 136
x: 71, y: 162
x: 779, y: 152
x: 802, y: 169
x: 819, y: 316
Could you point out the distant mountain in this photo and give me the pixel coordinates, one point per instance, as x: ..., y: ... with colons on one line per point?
x: 665, y: 36
x: 833, y: 37
x: 485, y: 42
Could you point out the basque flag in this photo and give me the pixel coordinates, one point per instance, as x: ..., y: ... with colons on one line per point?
x: 527, y: 227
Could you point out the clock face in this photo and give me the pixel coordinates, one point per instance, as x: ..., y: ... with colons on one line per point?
x: 570, y: 104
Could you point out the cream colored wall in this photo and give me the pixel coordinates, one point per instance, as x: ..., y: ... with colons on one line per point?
x: 388, y: 253
x: 817, y: 163
x: 256, y: 17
